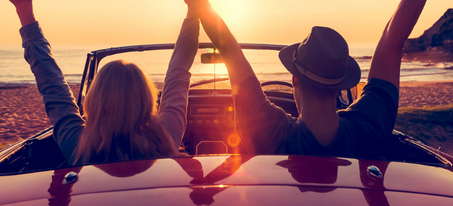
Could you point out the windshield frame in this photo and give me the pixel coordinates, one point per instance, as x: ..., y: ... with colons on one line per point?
x: 93, y: 59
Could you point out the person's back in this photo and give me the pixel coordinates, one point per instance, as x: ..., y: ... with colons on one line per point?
x: 122, y: 121
x: 358, y: 131
x: 116, y: 129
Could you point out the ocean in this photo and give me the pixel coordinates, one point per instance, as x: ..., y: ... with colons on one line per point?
x: 15, y: 70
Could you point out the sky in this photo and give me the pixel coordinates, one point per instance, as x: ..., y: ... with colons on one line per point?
x: 121, y: 23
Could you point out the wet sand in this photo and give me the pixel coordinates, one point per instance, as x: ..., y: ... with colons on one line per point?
x: 22, y: 112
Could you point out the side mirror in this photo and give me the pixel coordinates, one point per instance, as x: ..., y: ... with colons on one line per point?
x: 211, y: 58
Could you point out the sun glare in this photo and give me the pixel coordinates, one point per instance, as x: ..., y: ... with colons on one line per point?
x: 232, y: 11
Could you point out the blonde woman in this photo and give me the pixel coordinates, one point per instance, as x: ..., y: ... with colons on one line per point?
x: 122, y: 120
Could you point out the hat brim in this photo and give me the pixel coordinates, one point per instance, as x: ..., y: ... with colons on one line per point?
x: 351, y: 78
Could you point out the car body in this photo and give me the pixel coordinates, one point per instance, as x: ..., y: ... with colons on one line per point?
x: 218, y: 170
x: 235, y: 180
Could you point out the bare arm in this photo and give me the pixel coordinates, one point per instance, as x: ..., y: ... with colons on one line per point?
x: 238, y: 67
x: 386, y: 60
x: 24, y: 9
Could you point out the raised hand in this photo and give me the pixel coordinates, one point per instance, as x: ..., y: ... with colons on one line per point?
x: 386, y: 60
x: 24, y: 9
x: 239, y: 68
x: 196, y: 7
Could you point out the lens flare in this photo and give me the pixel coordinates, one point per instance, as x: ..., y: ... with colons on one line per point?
x: 233, y: 140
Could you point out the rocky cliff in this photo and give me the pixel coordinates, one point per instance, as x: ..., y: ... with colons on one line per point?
x: 436, y: 43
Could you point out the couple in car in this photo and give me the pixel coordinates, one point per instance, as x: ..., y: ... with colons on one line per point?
x: 123, y: 123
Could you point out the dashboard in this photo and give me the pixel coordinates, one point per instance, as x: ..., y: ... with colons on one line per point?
x: 210, y: 121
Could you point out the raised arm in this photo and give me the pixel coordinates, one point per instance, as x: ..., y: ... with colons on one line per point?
x: 173, y: 107
x: 59, y: 102
x: 386, y: 60
x: 238, y: 67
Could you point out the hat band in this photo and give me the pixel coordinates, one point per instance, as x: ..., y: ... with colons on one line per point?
x: 317, y: 78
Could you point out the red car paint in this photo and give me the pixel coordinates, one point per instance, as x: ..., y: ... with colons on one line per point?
x: 235, y: 180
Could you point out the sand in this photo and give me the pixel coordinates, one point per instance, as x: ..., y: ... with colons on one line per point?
x: 426, y: 124
x: 422, y: 94
x: 22, y: 112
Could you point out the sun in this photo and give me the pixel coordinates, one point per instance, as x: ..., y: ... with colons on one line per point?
x: 232, y: 12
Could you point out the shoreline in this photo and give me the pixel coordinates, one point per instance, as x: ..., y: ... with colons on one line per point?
x: 22, y: 112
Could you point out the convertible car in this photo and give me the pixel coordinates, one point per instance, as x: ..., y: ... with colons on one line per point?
x: 218, y: 170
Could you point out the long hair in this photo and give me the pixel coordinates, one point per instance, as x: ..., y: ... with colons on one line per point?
x: 120, y: 110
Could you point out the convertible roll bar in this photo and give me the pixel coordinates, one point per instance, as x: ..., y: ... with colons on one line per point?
x: 139, y: 48
x: 93, y: 59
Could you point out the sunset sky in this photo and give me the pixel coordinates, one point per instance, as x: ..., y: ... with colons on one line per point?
x: 116, y: 23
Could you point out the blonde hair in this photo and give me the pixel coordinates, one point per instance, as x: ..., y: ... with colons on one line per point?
x: 120, y: 110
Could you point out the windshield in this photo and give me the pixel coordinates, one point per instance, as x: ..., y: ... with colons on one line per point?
x: 265, y: 63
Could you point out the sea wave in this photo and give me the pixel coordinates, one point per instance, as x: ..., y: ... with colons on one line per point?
x: 422, y: 74
x: 363, y: 58
x: 73, y: 75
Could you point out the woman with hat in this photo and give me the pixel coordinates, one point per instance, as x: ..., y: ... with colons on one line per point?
x: 321, y: 68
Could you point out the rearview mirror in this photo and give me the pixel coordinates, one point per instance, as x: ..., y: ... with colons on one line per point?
x: 211, y: 58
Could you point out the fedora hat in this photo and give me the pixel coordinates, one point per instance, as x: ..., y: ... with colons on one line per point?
x: 322, y: 59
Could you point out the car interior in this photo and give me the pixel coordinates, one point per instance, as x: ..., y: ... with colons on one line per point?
x: 210, y: 120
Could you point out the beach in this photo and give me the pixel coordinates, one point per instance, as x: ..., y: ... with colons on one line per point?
x: 426, y: 113
x: 423, y: 94
x: 22, y: 112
